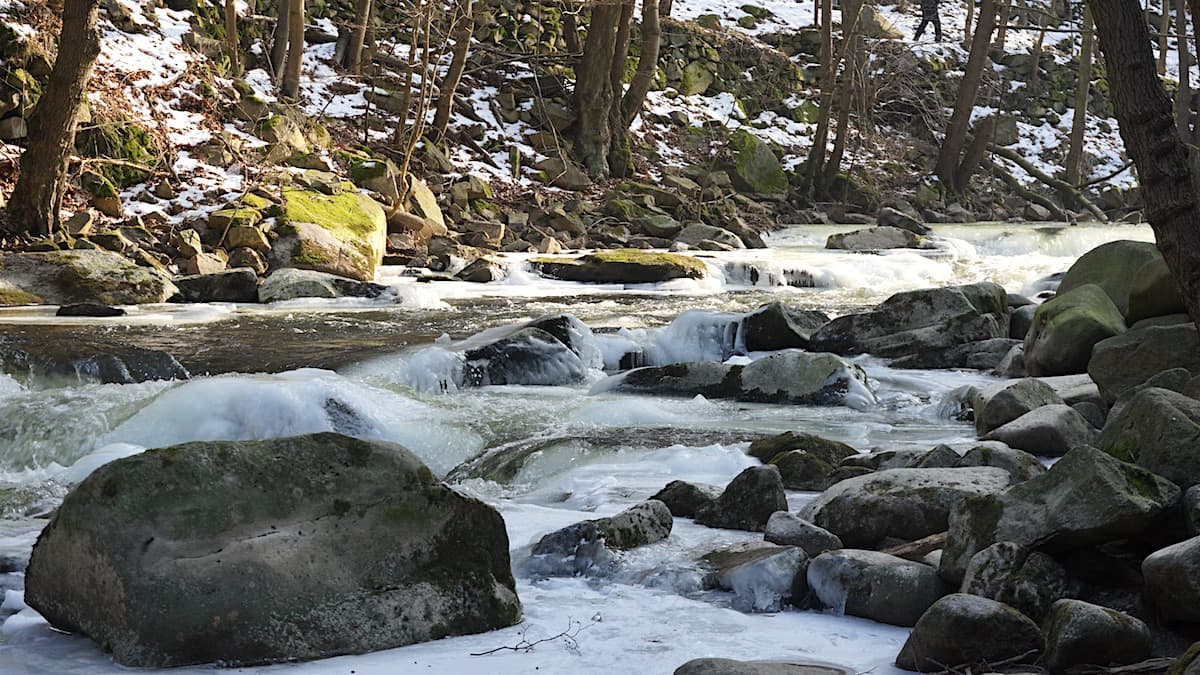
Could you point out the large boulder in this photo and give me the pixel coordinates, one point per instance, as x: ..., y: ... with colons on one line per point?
x: 747, y: 502
x: 277, y: 550
x: 76, y: 359
x: 1079, y: 633
x: 1113, y: 267
x: 1066, y: 327
x: 86, y: 276
x: 1029, y: 581
x: 1123, y: 362
x: 622, y: 266
x: 874, y: 239
x: 343, y: 234
x: 925, y: 323
x: 683, y: 499
x: 291, y: 283
x: 874, y: 585
x: 1048, y: 431
x: 790, y: 376
x: 530, y: 356
x: 906, y: 504
x: 777, y: 326
x: 1157, y: 429
x: 755, y: 168
x: 963, y: 630
x: 760, y: 575
x: 236, y: 285
x: 1153, y: 292
x: 1086, y: 498
x: 1173, y: 581
x: 1003, y: 402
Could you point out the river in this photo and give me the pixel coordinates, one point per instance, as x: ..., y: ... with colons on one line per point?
x: 268, y: 371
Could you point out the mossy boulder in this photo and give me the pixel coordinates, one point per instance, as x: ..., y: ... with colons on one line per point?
x: 622, y: 266
x: 1121, y: 363
x: 343, y: 234
x: 1153, y: 292
x: 276, y: 550
x: 754, y: 167
x: 1067, y: 327
x: 1158, y: 430
x: 83, y: 276
x: 120, y: 139
x: 1113, y: 267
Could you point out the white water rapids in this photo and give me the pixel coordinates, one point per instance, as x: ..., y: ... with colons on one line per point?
x: 593, y: 454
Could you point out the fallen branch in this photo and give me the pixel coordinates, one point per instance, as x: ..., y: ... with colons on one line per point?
x: 967, y: 668
x: 915, y: 550
x: 1060, y: 185
x: 1015, y: 185
x: 524, y: 645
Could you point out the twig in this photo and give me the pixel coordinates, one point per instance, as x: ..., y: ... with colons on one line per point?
x: 574, y: 628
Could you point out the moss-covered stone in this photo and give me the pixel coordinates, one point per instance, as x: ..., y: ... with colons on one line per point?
x: 343, y: 234
x: 755, y: 168
x: 84, y: 276
x: 1067, y: 327
x: 631, y: 266
x: 120, y: 139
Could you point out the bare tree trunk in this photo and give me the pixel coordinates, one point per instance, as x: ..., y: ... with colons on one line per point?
x: 279, y: 41
x: 968, y: 22
x: 1002, y: 28
x: 1164, y: 31
x: 1035, y: 75
x: 643, y: 77
x: 1143, y: 112
x: 814, y: 166
x: 593, y: 87
x: 664, y: 8
x: 358, y: 36
x: 38, y: 195
x: 232, y: 42
x: 851, y: 13
x: 295, y: 53
x: 619, y: 155
x: 463, y: 26
x: 1183, y: 94
x: 571, y: 30
x: 956, y: 132
x: 1074, y: 161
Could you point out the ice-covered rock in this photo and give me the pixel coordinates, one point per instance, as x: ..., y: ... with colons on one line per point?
x: 760, y: 575
x: 874, y: 585
x: 588, y: 547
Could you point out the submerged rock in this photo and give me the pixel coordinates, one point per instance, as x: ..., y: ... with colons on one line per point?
x: 529, y: 356
x: 962, y: 630
x: 84, y: 360
x: 277, y: 550
x: 874, y: 585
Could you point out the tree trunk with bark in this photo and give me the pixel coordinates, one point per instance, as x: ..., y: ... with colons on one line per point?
x: 814, y: 166
x: 851, y: 54
x: 1183, y: 93
x: 232, y: 42
x: 462, y: 27
x: 1147, y: 126
x: 358, y: 36
x: 279, y: 41
x: 1164, y: 32
x: 1073, y: 165
x: 1002, y: 27
x: 950, y: 156
x: 295, y: 52
x: 38, y: 195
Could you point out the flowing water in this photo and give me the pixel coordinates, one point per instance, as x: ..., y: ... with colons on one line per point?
x: 390, y: 369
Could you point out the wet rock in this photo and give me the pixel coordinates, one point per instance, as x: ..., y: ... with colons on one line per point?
x: 1121, y: 363
x: 789, y: 529
x: 237, y: 285
x: 918, y: 322
x: 1049, y: 431
x: 906, y: 504
x: 1003, y: 402
x: 760, y: 575
x: 777, y: 326
x: 622, y: 266
x: 967, y: 630
x: 1066, y: 327
x: 684, y: 499
x: 790, y: 376
x: 1158, y: 430
x: 299, y: 544
x: 1086, y: 498
x: 82, y: 360
x: 482, y: 271
x: 575, y: 334
x: 747, y: 502
x: 1173, y: 581
x: 731, y: 667
x: 89, y: 309
x: 874, y: 239
x: 290, y: 283
x: 764, y: 449
x: 529, y: 356
x: 1079, y: 633
x: 1028, y: 581
x: 587, y: 547
x: 85, y: 276
x: 874, y: 585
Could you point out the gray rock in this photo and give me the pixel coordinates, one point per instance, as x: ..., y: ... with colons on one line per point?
x: 1003, y: 402
x: 697, y: 233
x: 1158, y: 430
x: 789, y: 376
x: 272, y: 550
x: 1086, y: 498
x: 482, y: 271
x: 1020, y: 465
x: 1123, y: 362
x: 587, y: 547
x: 1021, y: 321
x: 940, y: 457
x: 529, y: 356
x: 84, y: 276
x: 789, y: 529
x: 881, y: 460
x: 747, y: 502
x: 90, y: 309
x: 765, y: 449
x: 874, y: 239
x: 967, y: 630
x: 891, y: 217
x: 290, y: 283
x: 761, y: 576
x: 76, y: 359
x: 907, y: 504
x: 1079, y: 633
x: 1048, y: 431
x: 1028, y: 581
x: 1113, y: 267
x: 237, y: 285
x: 683, y: 499
x: 874, y: 585
x: 731, y: 667
x: 777, y: 326
x: 1067, y: 327
x: 1173, y: 581
x: 1153, y: 292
